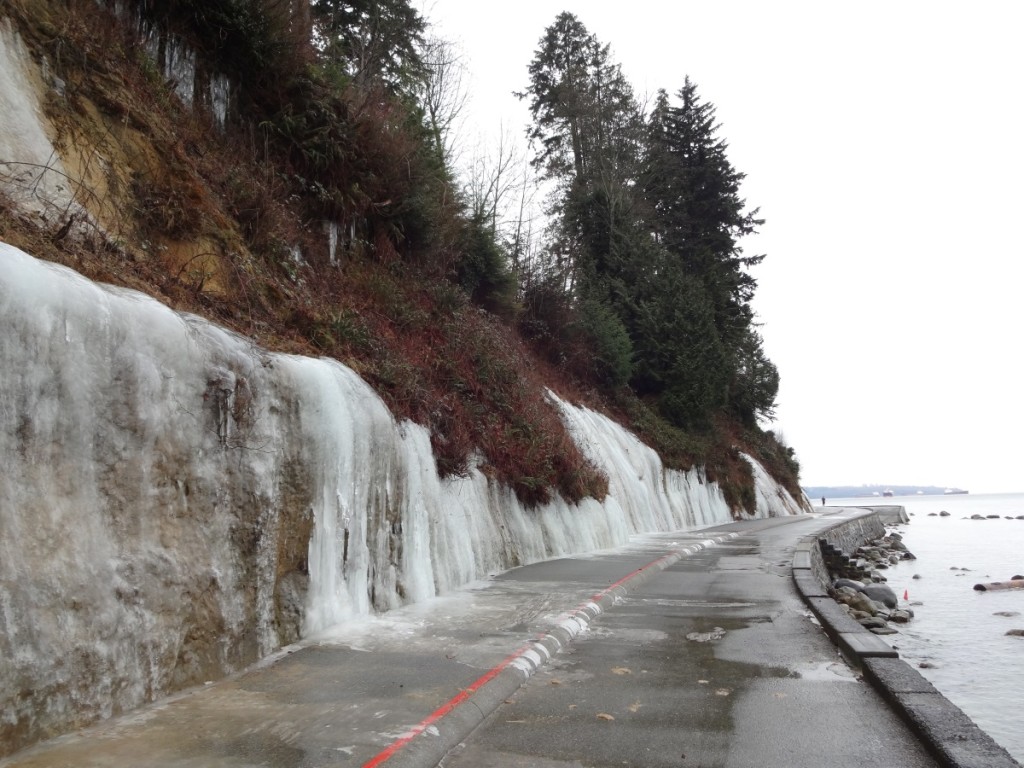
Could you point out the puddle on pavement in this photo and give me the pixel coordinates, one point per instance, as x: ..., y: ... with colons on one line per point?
x: 825, y: 671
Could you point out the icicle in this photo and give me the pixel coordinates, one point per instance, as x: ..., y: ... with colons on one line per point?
x: 331, y: 228
x: 220, y: 99
x: 186, y: 461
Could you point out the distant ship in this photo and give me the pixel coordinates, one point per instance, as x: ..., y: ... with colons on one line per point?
x: 887, y: 492
x: 951, y: 491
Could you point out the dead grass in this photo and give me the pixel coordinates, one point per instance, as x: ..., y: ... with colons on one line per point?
x: 213, y: 223
x: 204, y: 223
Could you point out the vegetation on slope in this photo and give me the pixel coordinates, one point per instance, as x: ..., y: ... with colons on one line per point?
x: 324, y: 217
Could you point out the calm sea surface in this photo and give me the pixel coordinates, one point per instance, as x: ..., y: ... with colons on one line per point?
x: 977, y: 666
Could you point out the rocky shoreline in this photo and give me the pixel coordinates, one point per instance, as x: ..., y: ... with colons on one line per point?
x: 818, y: 562
x: 857, y: 584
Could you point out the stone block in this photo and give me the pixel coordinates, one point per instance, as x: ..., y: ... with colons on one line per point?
x: 859, y: 645
x: 834, y: 619
x: 896, y: 676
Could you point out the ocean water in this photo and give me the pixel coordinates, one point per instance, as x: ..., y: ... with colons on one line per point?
x: 976, y: 665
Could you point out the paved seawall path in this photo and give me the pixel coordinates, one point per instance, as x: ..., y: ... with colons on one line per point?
x: 687, y: 649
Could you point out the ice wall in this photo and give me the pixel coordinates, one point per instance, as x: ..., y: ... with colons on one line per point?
x: 176, y: 502
x: 181, y: 68
x: 31, y: 172
x: 141, y: 509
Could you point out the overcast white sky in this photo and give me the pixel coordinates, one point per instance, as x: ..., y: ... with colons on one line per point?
x: 883, y: 144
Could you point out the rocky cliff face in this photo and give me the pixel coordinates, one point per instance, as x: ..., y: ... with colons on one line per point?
x: 177, y: 503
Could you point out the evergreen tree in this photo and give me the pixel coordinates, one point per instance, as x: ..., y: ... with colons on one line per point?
x: 587, y: 133
x: 697, y: 212
x: 698, y: 218
x: 680, y: 358
x: 648, y: 223
x: 557, y: 97
x: 375, y: 42
x: 755, y: 383
x: 587, y: 126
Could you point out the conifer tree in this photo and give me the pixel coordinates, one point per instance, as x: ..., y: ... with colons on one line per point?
x: 698, y: 217
x: 376, y: 42
x: 648, y: 223
x: 697, y: 212
x: 680, y: 359
x: 587, y: 133
x: 587, y: 130
x: 755, y: 382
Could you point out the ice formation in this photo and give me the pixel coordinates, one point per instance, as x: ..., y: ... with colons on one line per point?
x: 177, y: 503
x: 178, y: 64
x: 31, y: 171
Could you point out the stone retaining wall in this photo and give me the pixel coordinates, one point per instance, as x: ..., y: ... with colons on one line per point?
x: 943, y: 728
x: 847, y: 536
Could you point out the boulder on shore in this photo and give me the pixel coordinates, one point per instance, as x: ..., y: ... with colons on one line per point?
x: 858, y: 601
x: 882, y: 594
x: 851, y: 583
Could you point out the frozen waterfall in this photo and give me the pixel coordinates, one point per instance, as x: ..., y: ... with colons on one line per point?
x: 177, y: 502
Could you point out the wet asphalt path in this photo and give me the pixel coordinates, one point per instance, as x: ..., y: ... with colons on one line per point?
x: 713, y: 662
x: 757, y: 684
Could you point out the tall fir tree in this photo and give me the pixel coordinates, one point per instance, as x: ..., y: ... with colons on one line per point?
x: 648, y: 222
x: 698, y: 217
x: 587, y: 133
x: 374, y: 42
x: 697, y: 212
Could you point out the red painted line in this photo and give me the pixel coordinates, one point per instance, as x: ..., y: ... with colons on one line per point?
x: 629, y: 577
x: 389, y: 752
x: 445, y: 708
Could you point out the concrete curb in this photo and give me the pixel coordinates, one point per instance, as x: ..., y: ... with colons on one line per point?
x: 948, y: 734
x: 452, y: 723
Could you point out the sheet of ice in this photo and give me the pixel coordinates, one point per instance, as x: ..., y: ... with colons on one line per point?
x: 771, y: 498
x: 332, y: 230
x: 220, y: 99
x: 179, y: 68
x: 176, y: 503
x: 139, y: 502
x: 31, y: 172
